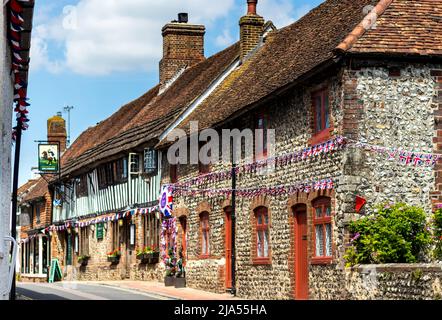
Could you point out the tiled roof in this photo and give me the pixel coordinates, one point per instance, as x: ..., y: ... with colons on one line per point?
x: 145, y: 118
x: 406, y: 27
x: 38, y: 191
x: 25, y: 188
x: 285, y: 57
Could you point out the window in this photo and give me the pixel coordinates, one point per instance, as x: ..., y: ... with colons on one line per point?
x: 150, y: 161
x: 81, y: 187
x: 134, y: 163
x: 322, y: 230
x: 202, y: 168
x: 321, y: 111
x: 37, y: 208
x: 261, y: 143
x: 322, y: 125
x: 262, y: 235
x: 173, y: 173
x: 102, y: 182
x: 120, y: 170
x: 112, y: 173
x: 152, y: 230
x: 84, y: 241
x: 205, y: 231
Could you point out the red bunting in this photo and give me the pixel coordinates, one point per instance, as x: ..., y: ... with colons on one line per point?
x: 360, y: 203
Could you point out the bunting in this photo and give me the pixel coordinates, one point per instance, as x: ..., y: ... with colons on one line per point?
x: 16, y: 28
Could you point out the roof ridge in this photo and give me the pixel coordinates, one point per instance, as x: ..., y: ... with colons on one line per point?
x: 359, y: 31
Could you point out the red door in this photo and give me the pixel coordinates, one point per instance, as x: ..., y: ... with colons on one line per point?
x: 228, y: 246
x: 183, y: 222
x: 301, y: 261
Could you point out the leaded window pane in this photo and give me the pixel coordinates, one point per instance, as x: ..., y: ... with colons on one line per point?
x: 328, y: 240
x: 266, y: 243
x: 318, y: 212
x: 259, y: 244
x: 319, y: 241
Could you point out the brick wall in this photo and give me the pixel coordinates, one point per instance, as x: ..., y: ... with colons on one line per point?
x: 183, y: 46
x: 251, y: 28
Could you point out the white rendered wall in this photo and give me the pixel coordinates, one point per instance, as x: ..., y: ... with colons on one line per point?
x: 6, y: 97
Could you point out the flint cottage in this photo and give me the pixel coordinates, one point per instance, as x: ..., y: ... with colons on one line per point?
x: 351, y: 90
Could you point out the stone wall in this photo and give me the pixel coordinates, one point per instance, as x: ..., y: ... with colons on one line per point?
x: 291, y: 117
x: 378, y: 282
x: 398, y: 113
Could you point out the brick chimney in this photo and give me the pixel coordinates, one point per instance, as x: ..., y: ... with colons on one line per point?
x: 183, y: 46
x: 57, y: 131
x: 251, y: 28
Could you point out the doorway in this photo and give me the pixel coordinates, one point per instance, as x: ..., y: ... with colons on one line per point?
x: 228, y: 246
x: 301, y: 252
x: 183, y: 249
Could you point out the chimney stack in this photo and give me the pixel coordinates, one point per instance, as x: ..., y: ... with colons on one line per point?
x: 57, y: 131
x: 251, y: 29
x: 183, y: 46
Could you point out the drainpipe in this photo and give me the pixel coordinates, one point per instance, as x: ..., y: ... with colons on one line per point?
x: 233, y: 217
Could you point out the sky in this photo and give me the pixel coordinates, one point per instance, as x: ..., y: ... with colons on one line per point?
x: 98, y: 55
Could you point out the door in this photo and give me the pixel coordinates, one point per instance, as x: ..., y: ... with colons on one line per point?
x: 301, y: 251
x: 183, y: 222
x: 128, y: 244
x: 228, y: 246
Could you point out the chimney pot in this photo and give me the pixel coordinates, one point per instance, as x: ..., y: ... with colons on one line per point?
x: 183, y: 17
x: 251, y: 6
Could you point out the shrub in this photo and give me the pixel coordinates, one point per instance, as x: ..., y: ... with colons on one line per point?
x: 437, y: 232
x: 392, y: 234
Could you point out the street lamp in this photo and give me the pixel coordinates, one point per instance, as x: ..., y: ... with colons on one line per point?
x: 68, y: 110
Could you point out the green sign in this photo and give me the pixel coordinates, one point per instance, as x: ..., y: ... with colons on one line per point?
x: 55, y: 273
x: 100, y: 231
x: 48, y: 158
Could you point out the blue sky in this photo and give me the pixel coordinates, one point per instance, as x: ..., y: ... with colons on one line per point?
x: 98, y: 55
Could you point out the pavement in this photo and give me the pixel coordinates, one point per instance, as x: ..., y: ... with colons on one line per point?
x: 111, y: 290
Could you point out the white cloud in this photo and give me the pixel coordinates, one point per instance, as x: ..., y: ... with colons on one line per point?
x: 225, y: 39
x: 101, y: 37
x: 97, y: 37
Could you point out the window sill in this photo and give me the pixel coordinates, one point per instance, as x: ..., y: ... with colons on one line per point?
x: 320, y: 137
x: 262, y: 261
x: 204, y: 257
x: 321, y: 260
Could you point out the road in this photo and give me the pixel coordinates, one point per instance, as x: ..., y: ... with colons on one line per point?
x: 80, y: 291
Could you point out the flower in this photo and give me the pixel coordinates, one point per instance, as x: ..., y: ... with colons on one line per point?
x: 355, y: 237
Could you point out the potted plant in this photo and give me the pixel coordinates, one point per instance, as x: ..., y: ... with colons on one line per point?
x: 170, y: 262
x: 114, y: 256
x: 180, y: 276
x: 83, y: 260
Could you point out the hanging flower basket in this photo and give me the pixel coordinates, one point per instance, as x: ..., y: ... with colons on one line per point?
x: 114, y: 256
x: 114, y: 260
x: 83, y: 260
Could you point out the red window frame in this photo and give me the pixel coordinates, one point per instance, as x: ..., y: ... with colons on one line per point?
x: 173, y: 173
x: 205, y: 231
x: 322, y: 130
x: 323, y: 220
x: 261, y: 122
x: 262, y: 227
x: 202, y: 168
